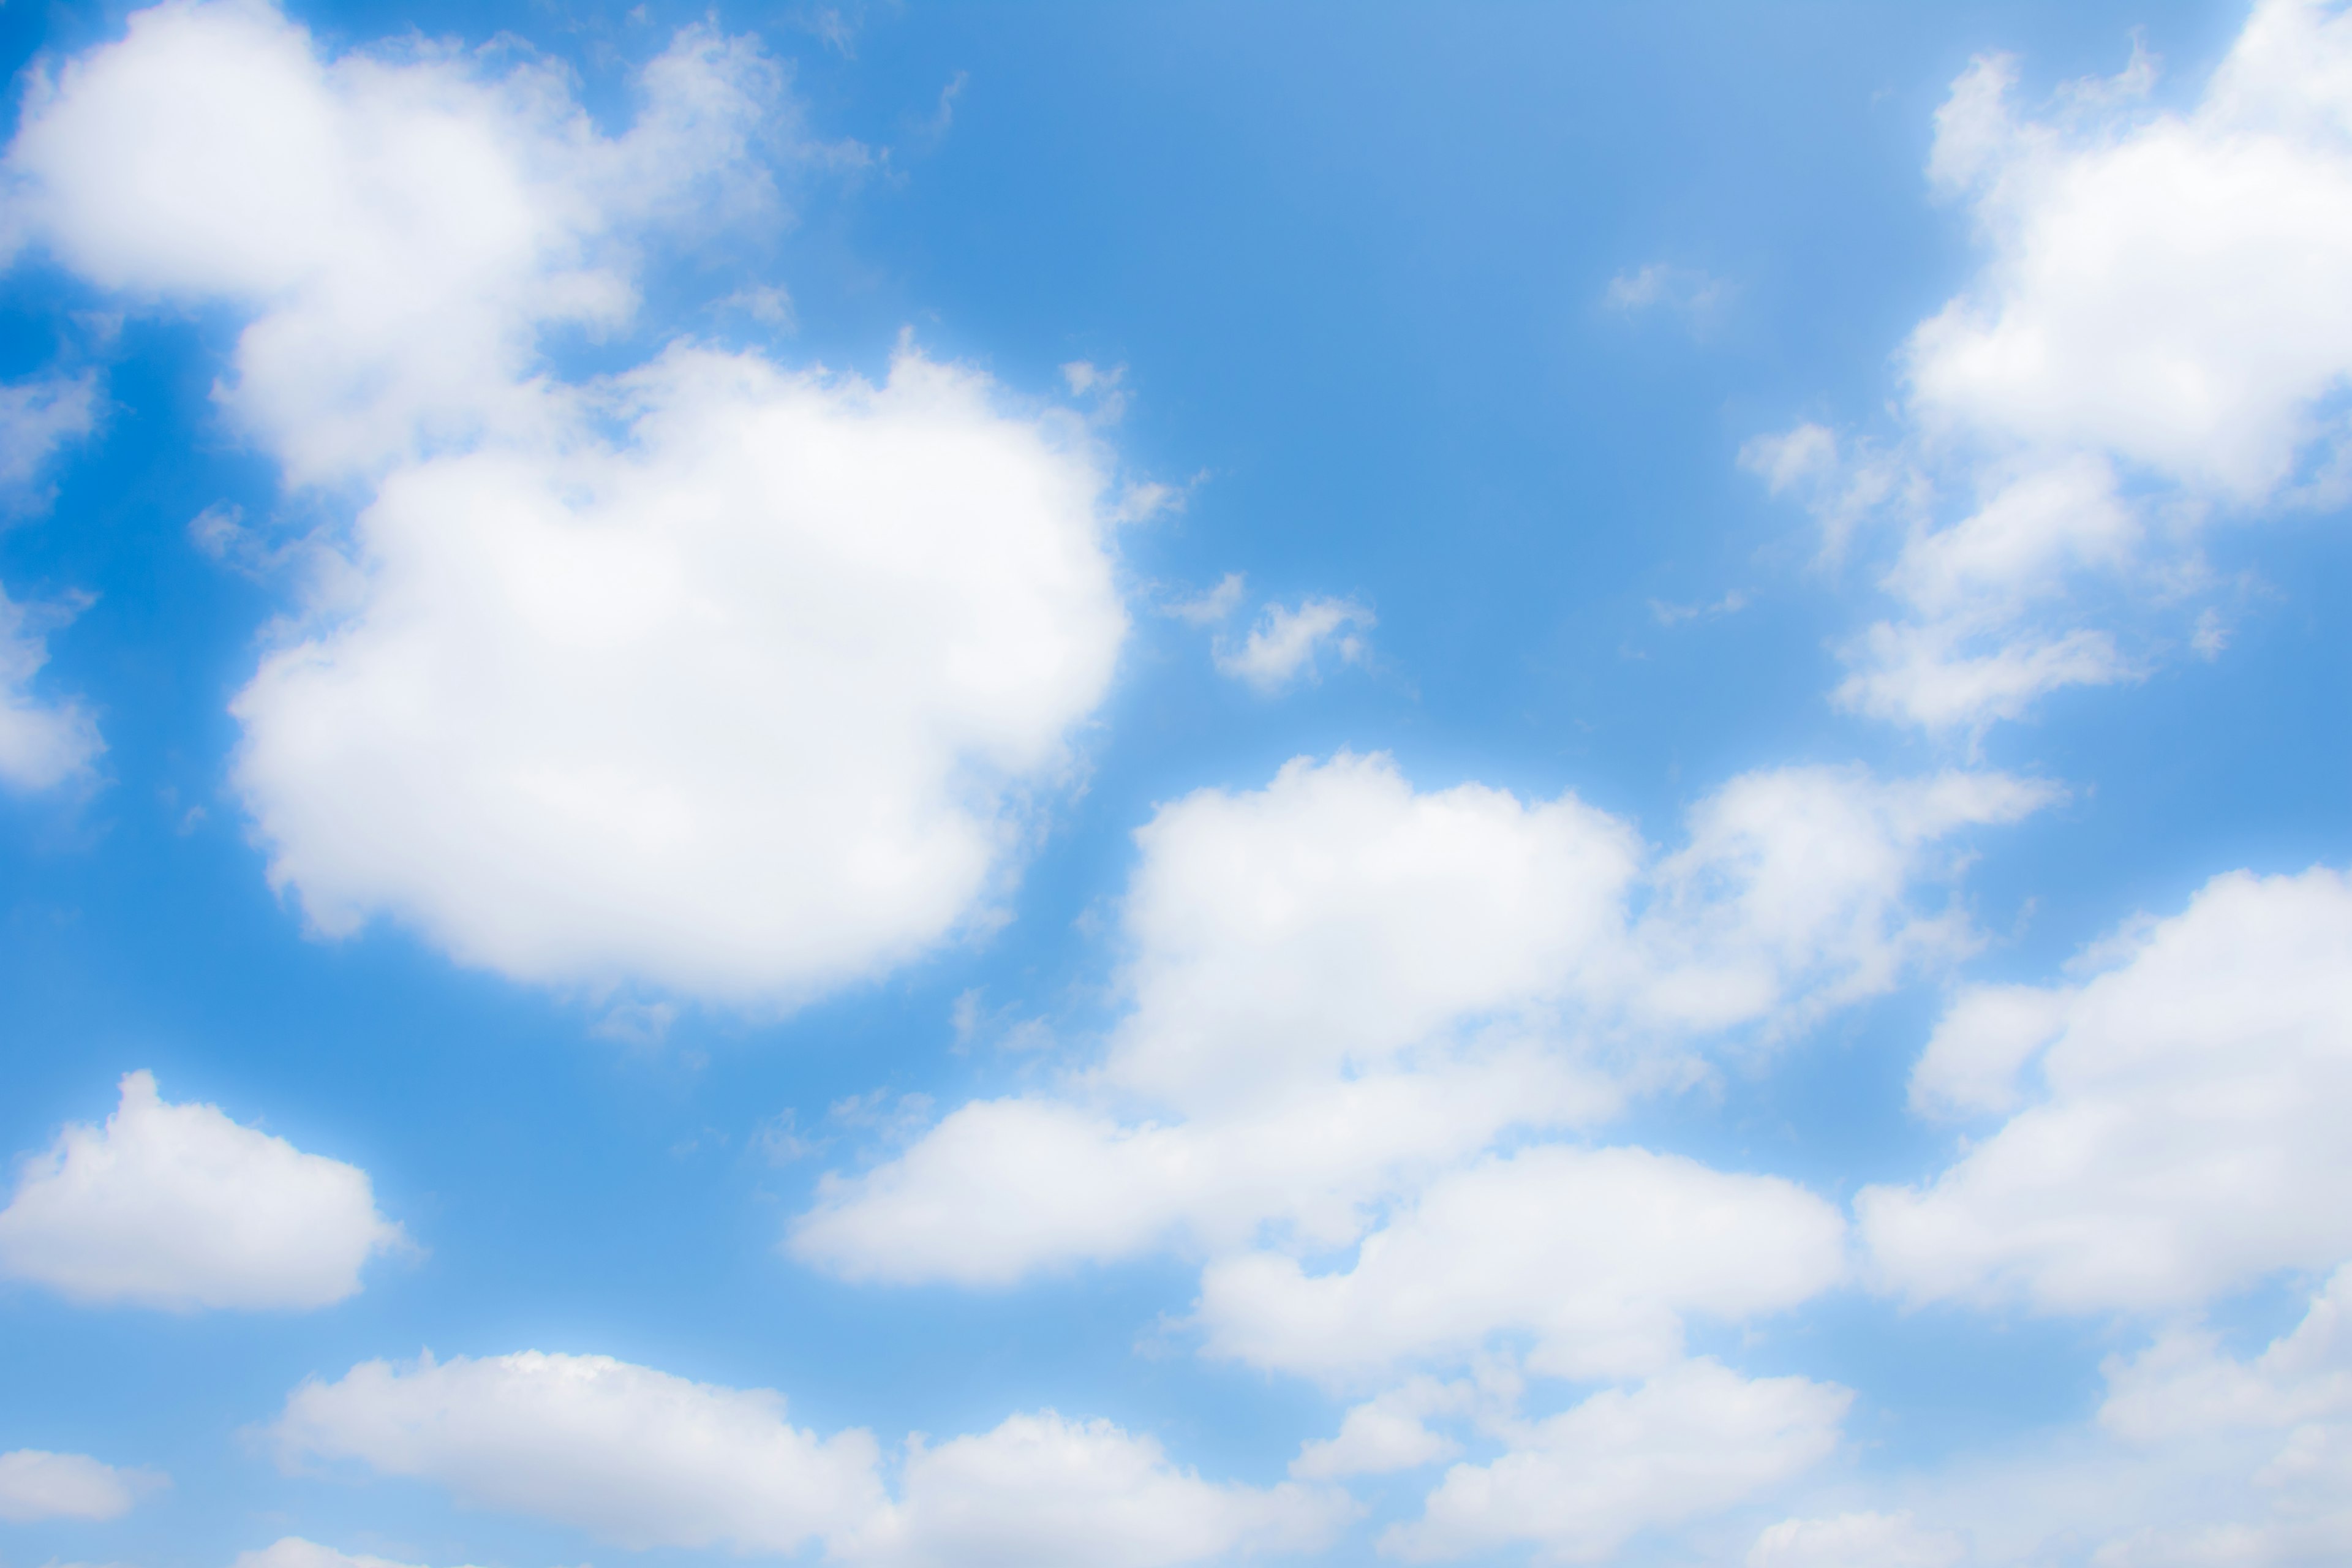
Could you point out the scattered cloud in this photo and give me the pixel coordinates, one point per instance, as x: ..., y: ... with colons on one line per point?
x: 1339, y: 987
x: 45, y: 742
x: 1211, y: 608
x: 1854, y: 1540
x: 1658, y: 285
x: 39, y: 415
x: 35, y: 1486
x: 1731, y: 604
x: 1693, y: 1440
x: 2153, y: 339
x: 1283, y: 644
x: 710, y: 677
x: 177, y: 1206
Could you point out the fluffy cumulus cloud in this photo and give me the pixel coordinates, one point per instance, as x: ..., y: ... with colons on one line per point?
x: 1341, y: 986
x: 1355, y: 1013
x: 1282, y: 644
x: 1694, y: 1440
x: 714, y: 675
x: 1854, y: 1540
x: 179, y: 1207
x: 37, y: 1485
x: 646, y: 1459
x: 2178, y: 1130
x: 2157, y: 336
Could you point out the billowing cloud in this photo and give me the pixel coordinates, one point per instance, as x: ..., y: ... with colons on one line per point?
x: 2181, y: 1128
x: 178, y: 1207
x: 711, y: 676
x: 1341, y: 988
x: 2157, y: 336
x: 1283, y: 643
x: 642, y: 1458
x: 1694, y: 1440
x: 1594, y: 1255
x: 36, y: 1485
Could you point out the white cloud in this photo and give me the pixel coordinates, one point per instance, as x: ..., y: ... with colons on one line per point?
x: 1694, y: 1440
x: 1854, y: 1540
x: 1389, y: 1431
x: 1042, y: 1492
x: 2185, y: 1137
x: 1662, y: 285
x: 38, y: 415
x: 178, y: 1207
x: 34, y: 1485
x: 293, y: 1552
x: 44, y: 741
x: 1283, y: 644
x: 1212, y: 607
x: 2157, y: 335
x: 1594, y: 1255
x: 1339, y: 987
x: 646, y: 1459
x: 632, y: 1455
x: 712, y: 676
x: 746, y: 709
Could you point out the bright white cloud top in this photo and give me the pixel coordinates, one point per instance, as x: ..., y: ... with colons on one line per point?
x: 713, y: 676
x: 180, y: 1208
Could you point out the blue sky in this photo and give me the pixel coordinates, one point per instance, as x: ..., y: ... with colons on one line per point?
x: 1148, y: 786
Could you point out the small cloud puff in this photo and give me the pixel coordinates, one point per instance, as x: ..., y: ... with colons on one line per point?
x: 178, y: 1207
x: 1284, y: 642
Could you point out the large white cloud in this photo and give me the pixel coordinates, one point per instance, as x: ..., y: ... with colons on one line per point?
x: 2186, y: 1134
x: 1694, y: 1440
x: 1596, y: 1255
x: 646, y: 1459
x: 712, y: 676
x: 37, y: 1485
x: 1341, y: 986
x: 2157, y: 334
x: 179, y: 1207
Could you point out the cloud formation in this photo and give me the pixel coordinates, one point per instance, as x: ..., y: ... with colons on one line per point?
x: 644, y: 1459
x: 36, y: 1485
x: 2154, y: 339
x: 180, y: 1208
x: 1341, y: 988
x: 712, y: 676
